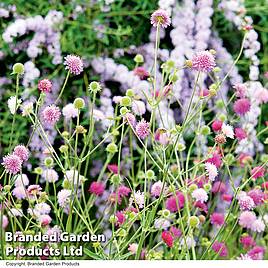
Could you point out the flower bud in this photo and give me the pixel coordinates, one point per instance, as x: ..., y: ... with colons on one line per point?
x: 38, y: 170
x: 150, y: 174
x: 219, y: 104
x: 202, y: 218
x: 205, y: 130
x: 63, y: 148
x: 48, y: 161
x: 193, y: 187
x: 113, y: 219
x: 18, y: 68
x: 94, y: 87
x: 112, y: 148
x: 79, y: 103
x: 80, y: 129
x: 7, y: 188
x: 116, y: 179
x: 194, y: 221
x: 139, y: 58
x: 124, y: 111
x: 130, y: 93
x: 125, y: 101
x: 207, y: 187
x: 188, y: 63
x: 181, y: 147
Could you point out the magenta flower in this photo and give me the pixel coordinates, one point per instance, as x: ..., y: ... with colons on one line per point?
x: 45, y: 85
x: 216, y: 125
x: 247, y: 241
x: 22, y: 152
x: 257, y: 172
x: 167, y: 238
x: 220, y: 248
x: 51, y: 114
x: 143, y: 129
x: 241, y: 106
x: 160, y: 17
x: 96, y: 188
x: 12, y: 163
x: 240, y: 133
x: 203, y: 61
x: 74, y: 64
x: 175, y: 202
x: 217, y: 219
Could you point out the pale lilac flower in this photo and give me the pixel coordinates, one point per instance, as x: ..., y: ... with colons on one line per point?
x: 50, y: 175
x: 34, y: 190
x: 203, y: 61
x: 137, y: 198
x: 51, y: 114
x: 74, y: 64
x: 246, y: 219
x: 200, y: 195
x: 41, y: 209
x: 258, y: 226
x: 19, y: 192
x: 12, y: 163
x: 27, y: 108
x: 157, y: 188
x: 22, y: 152
x: 64, y: 197
x: 160, y: 17
x: 138, y: 107
x: 161, y: 223
x: 143, y: 129
x: 211, y: 170
x: 227, y: 130
x: 131, y: 119
x: 21, y: 180
x: 74, y: 177
x: 15, y: 212
x: 69, y: 111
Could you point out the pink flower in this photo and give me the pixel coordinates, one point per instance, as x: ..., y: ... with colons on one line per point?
x: 143, y: 129
x: 131, y: 119
x: 220, y: 248
x: 22, y: 152
x: 218, y: 187
x: 4, y: 222
x: 257, y: 172
x: 202, y: 206
x: 133, y: 248
x: 217, y: 218
x: 96, y: 188
x: 242, y: 106
x: 160, y: 17
x: 211, y: 170
x: 74, y: 64
x: 203, y: 61
x: 34, y: 190
x: 167, y: 238
x: 247, y: 241
x: 45, y: 85
x: 246, y: 219
x: 123, y: 191
x: 141, y: 72
x: 19, y: 192
x: 258, y: 226
x: 257, y: 195
x: 227, y: 197
x: 216, y: 125
x: 113, y: 168
x: 204, y: 92
x: 215, y: 160
x: 241, y: 90
x: 176, y: 232
x: 44, y: 220
x: 120, y: 218
x: 156, y: 189
x: 257, y: 253
x: 200, y: 195
x: 12, y: 163
x: 245, y: 202
x: 175, y: 202
x: 240, y: 133
x: 51, y: 114
x: 161, y: 136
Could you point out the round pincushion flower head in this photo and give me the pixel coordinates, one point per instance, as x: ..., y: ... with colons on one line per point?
x: 18, y: 68
x: 74, y: 64
x: 94, y: 87
x: 220, y: 139
x: 203, y: 61
x: 194, y: 221
x: 45, y: 85
x: 22, y: 152
x: 51, y: 114
x: 139, y: 58
x: 79, y: 103
x: 241, y: 106
x: 143, y: 129
x: 112, y: 148
x: 96, y: 188
x: 12, y: 163
x: 160, y: 17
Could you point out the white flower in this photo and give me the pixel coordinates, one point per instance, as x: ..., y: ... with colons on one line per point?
x: 211, y: 170
x: 227, y: 130
x: 200, y: 195
x: 27, y: 109
x: 138, y: 199
x: 12, y: 105
x: 161, y: 223
x: 258, y: 226
x: 69, y: 111
x: 21, y: 180
x: 138, y: 107
x: 73, y: 177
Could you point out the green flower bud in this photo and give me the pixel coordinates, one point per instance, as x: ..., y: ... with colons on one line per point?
x: 18, y: 68
x: 181, y: 147
x: 216, y: 69
x: 205, y: 130
x: 125, y: 101
x: 113, y: 219
x: 112, y: 148
x: 116, y: 179
x: 165, y: 213
x: 115, y: 132
x: 139, y: 58
x: 94, y: 87
x: 264, y: 158
x: 7, y: 188
x: 48, y: 161
x: 220, y: 104
x: 194, y: 221
x: 121, y: 232
x: 207, y: 187
x: 63, y: 148
x: 173, y: 77
x: 229, y: 158
x: 79, y: 103
x: 65, y: 134
x: 141, y: 175
x: 66, y: 184
x: 80, y: 130
x: 38, y: 170
x: 222, y: 117
x: 123, y: 111
x: 150, y: 174
x: 130, y: 93
x: 193, y: 187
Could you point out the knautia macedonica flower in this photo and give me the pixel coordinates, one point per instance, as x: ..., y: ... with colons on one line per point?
x: 22, y: 152
x: 64, y: 197
x: 74, y: 64
x: 242, y: 106
x: 45, y: 85
x: 220, y: 248
x: 175, y: 202
x: 211, y: 170
x: 69, y: 111
x: 51, y: 114
x: 227, y: 130
x: 50, y: 175
x: 245, y: 202
x: 217, y: 219
x: 12, y: 163
x: 258, y: 226
x: 167, y: 238
x: 200, y: 195
x: 21, y: 180
x: 96, y: 188
x: 203, y: 61
x: 246, y: 219
x: 160, y: 17
x: 143, y: 129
